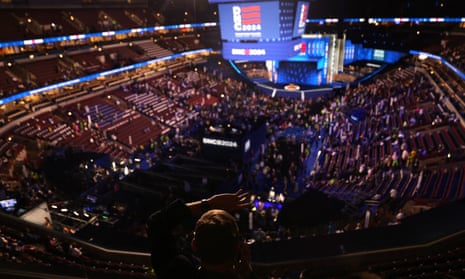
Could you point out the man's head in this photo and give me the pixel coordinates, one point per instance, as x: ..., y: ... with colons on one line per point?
x: 216, y: 237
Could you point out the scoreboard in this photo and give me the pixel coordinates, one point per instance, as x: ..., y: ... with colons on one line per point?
x: 261, y: 30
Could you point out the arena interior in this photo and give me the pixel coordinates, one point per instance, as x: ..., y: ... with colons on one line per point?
x: 110, y: 110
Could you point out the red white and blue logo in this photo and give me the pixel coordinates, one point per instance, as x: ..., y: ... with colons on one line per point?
x: 247, y: 19
x: 303, y: 15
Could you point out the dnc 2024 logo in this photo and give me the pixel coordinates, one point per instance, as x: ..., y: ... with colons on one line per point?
x: 247, y: 18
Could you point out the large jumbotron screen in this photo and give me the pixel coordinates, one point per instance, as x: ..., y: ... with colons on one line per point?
x: 261, y: 30
x: 268, y: 21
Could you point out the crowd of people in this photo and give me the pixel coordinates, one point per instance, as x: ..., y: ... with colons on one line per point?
x: 296, y: 129
x: 340, y: 144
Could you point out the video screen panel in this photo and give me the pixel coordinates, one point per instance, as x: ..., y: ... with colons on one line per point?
x: 249, y: 21
x: 8, y: 204
x: 252, y: 21
x: 378, y: 54
x: 317, y: 47
x: 303, y: 73
x: 300, y: 18
x: 261, y: 51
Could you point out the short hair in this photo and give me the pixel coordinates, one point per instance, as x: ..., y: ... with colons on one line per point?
x: 216, y: 237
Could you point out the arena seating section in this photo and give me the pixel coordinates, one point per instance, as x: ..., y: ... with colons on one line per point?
x: 395, y: 140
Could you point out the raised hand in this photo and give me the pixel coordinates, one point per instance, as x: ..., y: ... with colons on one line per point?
x: 230, y: 201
